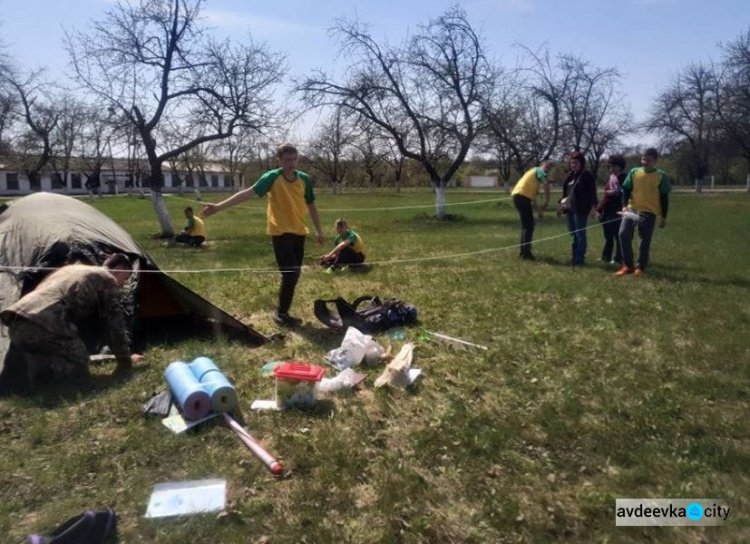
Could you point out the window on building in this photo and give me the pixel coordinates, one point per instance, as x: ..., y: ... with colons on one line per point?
x: 12, y: 181
x: 214, y: 180
x: 202, y: 180
x: 57, y: 181
x: 189, y: 180
x: 75, y: 181
x: 228, y: 181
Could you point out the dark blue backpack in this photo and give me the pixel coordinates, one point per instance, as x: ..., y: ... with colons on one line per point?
x: 368, y: 314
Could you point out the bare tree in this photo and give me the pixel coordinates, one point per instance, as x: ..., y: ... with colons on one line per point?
x: 370, y: 149
x: 733, y: 95
x: 685, y: 114
x: 8, y: 100
x: 235, y: 152
x: 8, y: 107
x: 330, y: 147
x: 594, y: 114
x: 426, y: 94
x: 66, y: 137
x: 152, y: 61
x: 36, y: 106
x: 95, y: 145
x: 546, y: 86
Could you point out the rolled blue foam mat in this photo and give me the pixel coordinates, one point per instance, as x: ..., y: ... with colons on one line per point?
x: 222, y: 392
x: 188, y: 392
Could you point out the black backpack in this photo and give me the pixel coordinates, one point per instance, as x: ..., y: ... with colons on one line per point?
x: 368, y: 314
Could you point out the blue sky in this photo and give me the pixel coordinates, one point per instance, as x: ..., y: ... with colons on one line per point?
x: 647, y: 40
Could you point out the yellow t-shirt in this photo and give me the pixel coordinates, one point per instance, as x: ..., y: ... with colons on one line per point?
x: 528, y: 185
x: 646, y: 188
x: 197, y: 228
x: 287, y: 201
x: 355, y: 241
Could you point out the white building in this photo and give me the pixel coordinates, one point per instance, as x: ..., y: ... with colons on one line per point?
x: 115, y: 180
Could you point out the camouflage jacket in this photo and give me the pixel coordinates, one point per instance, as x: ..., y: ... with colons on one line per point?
x: 71, y: 294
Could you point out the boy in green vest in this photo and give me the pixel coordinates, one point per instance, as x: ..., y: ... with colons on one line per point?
x: 290, y: 196
x: 645, y: 194
x: 348, y: 248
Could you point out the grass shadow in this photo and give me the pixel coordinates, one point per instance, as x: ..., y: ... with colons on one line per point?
x: 54, y: 393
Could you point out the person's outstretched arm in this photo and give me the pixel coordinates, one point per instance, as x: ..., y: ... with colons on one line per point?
x: 236, y: 198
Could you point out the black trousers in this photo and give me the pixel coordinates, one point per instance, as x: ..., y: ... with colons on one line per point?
x: 349, y: 256
x: 611, y: 227
x: 289, y: 250
x: 526, y: 211
x: 189, y: 240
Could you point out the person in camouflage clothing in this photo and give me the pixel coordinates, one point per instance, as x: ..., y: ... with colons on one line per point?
x: 42, y: 324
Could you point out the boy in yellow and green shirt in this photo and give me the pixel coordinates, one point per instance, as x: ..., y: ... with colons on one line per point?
x: 290, y: 197
x: 348, y: 248
x: 194, y: 233
x: 645, y: 194
x: 524, y: 199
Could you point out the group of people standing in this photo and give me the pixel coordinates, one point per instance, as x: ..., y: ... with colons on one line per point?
x: 629, y: 202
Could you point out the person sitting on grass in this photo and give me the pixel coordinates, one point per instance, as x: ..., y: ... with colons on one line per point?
x: 195, y: 231
x: 348, y: 250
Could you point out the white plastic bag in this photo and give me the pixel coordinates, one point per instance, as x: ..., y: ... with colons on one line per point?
x: 351, y: 352
x: 355, y: 348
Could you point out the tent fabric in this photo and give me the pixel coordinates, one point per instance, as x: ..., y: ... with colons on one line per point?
x: 47, y: 230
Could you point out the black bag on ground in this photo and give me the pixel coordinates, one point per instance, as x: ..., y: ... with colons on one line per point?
x: 368, y: 314
x: 92, y: 527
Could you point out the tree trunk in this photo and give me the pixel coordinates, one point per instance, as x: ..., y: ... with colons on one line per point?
x: 698, y: 185
x: 748, y: 182
x: 35, y: 181
x: 439, y: 187
x: 197, y: 192
x: 156, y: 181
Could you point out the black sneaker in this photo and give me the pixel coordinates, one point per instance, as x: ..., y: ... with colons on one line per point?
x: 286, y: 320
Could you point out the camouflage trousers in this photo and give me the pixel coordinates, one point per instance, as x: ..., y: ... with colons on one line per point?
x: 46, y: 352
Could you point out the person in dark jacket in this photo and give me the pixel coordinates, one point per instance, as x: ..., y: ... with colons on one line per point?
x: 578, y: 202
x: 609, y: 210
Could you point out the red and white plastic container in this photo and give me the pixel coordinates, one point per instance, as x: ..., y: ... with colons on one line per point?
x: 296, y: 384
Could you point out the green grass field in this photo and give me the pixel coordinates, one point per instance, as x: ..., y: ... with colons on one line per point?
x: 593, y: 388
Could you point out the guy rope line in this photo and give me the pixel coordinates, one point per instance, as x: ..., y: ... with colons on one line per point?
x: 276, y: 271
x: 346, y: 210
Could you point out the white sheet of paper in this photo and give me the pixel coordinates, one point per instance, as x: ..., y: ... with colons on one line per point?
x: 182, y: 498
x: 413, y: 374
x: 264, y: 405
x: 178, y: 424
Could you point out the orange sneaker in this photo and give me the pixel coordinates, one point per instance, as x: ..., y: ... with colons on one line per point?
x: 638, y: 272
x: 623, y: 271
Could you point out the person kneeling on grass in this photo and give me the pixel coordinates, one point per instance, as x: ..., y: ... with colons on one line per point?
x: 349, y: 249
x: 195, y: 231
x: 43, y: 324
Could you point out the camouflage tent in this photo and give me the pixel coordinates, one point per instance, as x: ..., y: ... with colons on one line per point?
x: 46, y: 230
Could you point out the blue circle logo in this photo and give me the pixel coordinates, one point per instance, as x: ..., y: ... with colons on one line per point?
x: 694, y: 511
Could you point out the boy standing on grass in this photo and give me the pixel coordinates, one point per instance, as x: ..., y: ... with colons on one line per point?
x: 645, y: 193
x: 290, y: 195
x: 348, y: 249
x: 524, y: 199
